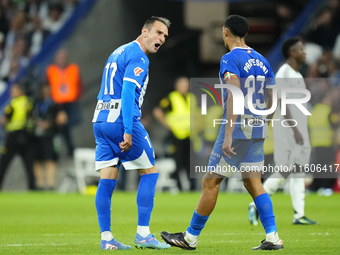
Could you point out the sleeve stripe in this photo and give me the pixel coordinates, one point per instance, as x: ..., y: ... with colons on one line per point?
x: 133, y: 81
x: 229, y: 75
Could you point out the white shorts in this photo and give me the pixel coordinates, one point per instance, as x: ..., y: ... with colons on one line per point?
x: 289, y: 154
x: 108, y: 153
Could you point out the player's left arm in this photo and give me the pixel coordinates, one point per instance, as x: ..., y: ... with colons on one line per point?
x: 228, y: 150
x: 297, y: 135
x: 128, y: 96
x: 134, y: 76
x: 269, y: 101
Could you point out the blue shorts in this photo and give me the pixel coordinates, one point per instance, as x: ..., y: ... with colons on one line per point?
x: 108, y: 136
x: 249, y: 157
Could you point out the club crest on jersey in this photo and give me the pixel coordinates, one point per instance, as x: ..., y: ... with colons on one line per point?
x: 249, y: 51
x: 138, y: 70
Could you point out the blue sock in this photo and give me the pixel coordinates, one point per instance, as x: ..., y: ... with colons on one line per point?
x: 265, y: 208
x: 103, y: 203
x: 145, y: 197
x: 197, y: 223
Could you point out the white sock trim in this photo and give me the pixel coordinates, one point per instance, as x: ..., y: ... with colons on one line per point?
x: 191, y: 239
x: 272, y: 237
x: 107, y: 236
x: 143, y: 231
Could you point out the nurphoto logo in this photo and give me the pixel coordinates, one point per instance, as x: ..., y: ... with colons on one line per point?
x: 240, y: 99
x: 256, y: 109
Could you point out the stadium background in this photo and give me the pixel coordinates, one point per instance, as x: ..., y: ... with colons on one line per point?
x: 193, y: 49
x: 51, y: 223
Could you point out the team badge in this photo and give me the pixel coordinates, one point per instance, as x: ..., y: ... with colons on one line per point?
x: 138, y: 70
x: 249, y: 51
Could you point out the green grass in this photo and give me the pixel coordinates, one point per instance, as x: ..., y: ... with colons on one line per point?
x: 47, y: 223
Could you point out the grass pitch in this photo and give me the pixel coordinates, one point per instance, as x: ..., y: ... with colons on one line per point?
x: 48, y: 223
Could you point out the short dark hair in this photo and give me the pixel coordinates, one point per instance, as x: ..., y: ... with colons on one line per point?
x: 237, y: 25
x: 287, y: 44
x: 152, y: 20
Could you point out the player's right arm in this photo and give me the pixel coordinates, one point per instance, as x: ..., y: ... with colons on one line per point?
x: 269, y: 101
x: 283, y: 81
x: 297, y: 135
x: 270, y: 85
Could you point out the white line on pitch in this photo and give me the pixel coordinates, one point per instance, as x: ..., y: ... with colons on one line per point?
x: 20, y: 245
x: 69, y: 234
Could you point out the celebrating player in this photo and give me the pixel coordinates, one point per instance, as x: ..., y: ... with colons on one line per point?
x: 237, y: 145
x: 291, y: 145
x: 120, y: 136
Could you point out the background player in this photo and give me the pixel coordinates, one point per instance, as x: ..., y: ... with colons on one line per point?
x: 121, y: 138
x: 237, y: 144
x: 291, y: 145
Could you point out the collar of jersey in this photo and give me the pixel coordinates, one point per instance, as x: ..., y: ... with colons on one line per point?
x: 291, y: 67
x: 242, y: 48
x: 138, y: 44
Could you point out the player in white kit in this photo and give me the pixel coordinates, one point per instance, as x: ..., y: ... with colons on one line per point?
x: 291, y: 144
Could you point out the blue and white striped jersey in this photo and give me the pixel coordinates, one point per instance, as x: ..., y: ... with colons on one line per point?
x: 129, y: 63
x: 253, y: 70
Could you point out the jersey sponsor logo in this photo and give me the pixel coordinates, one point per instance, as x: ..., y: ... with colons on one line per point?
x: 225, y: 61
x: 138, y: 70
x: 143, y: 60
x: 107, y: 106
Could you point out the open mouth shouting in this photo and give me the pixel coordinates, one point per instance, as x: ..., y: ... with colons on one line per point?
x: 157, y: 46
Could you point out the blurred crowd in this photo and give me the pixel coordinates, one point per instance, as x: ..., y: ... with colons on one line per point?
x: 32, y: 123
x: 322, y: 76
x: 24, y: 26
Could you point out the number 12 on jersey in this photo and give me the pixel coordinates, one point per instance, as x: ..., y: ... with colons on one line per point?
x: 109, y: 66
